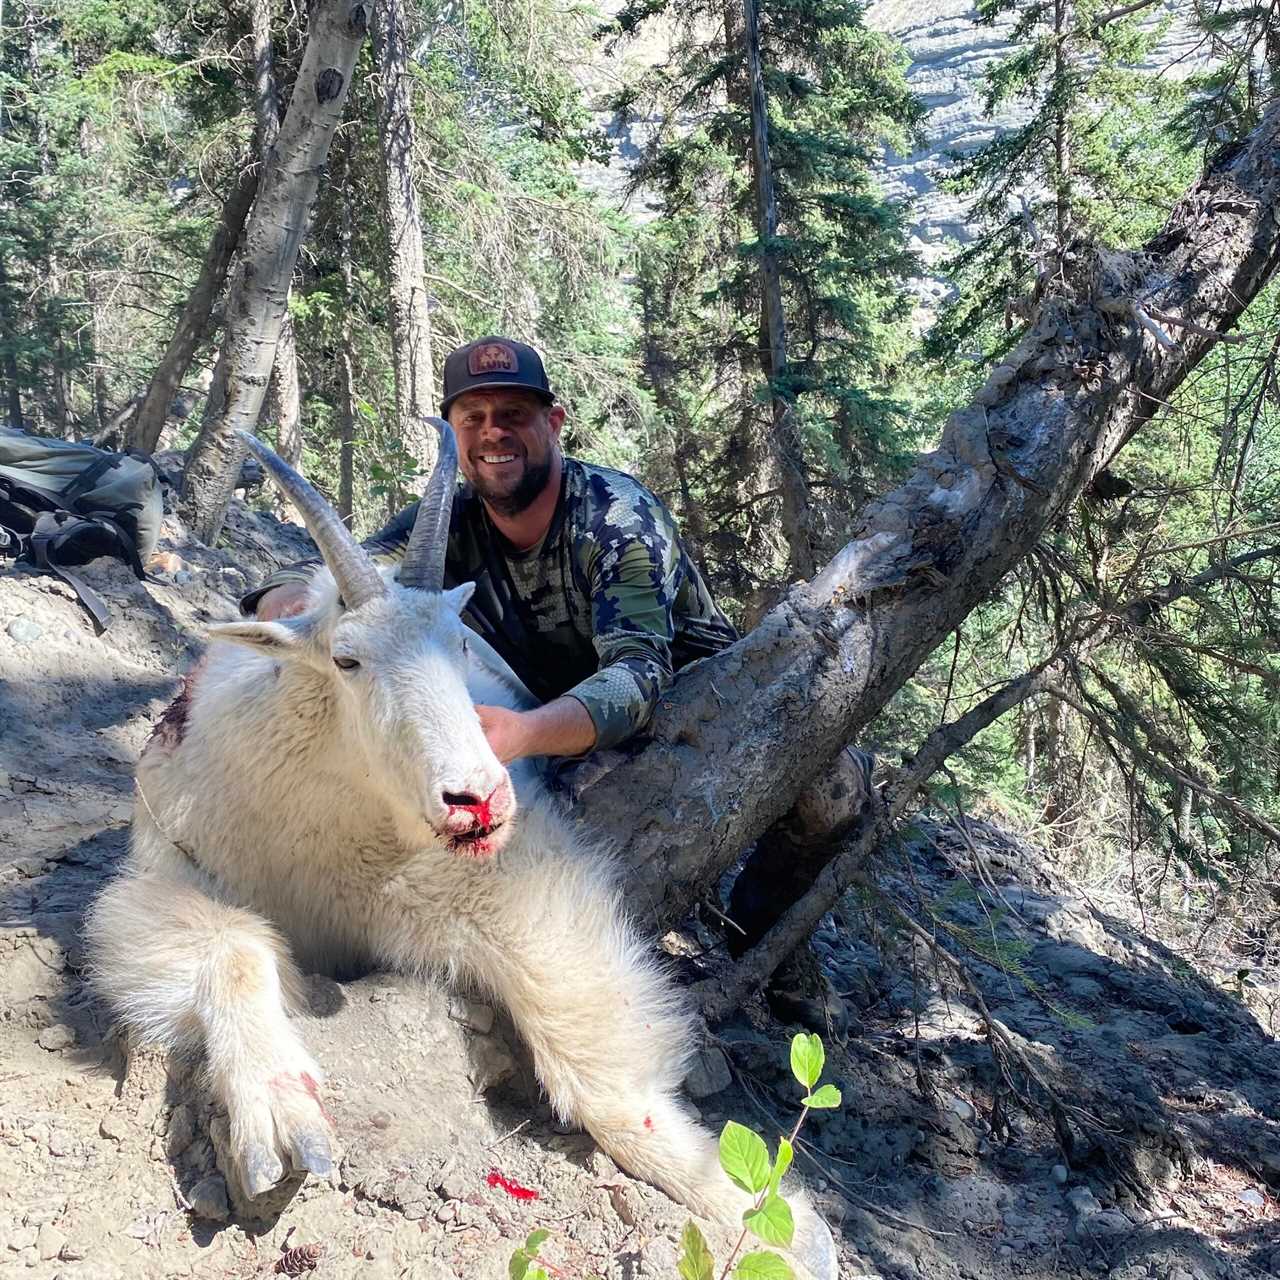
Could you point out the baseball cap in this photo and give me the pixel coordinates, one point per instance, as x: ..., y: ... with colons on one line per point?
x: 491, y: 363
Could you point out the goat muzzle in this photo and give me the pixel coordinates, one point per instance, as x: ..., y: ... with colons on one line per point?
x: 477, y: 828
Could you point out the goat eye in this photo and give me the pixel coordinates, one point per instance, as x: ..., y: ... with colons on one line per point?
x: 346, y: 664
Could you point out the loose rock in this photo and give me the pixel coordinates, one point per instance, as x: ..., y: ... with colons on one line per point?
x: 49, y: 1242
x: 471, y: 1014
x: 56, y: 1038
x: 114, y: 1125
x: 1083, y: 1202
x: 708, y: 1074
x: 24, y: 631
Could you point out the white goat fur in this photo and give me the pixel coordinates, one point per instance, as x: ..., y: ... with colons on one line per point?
x: 302, y: 791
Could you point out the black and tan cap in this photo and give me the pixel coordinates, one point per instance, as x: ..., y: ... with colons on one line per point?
x: 488, y: 364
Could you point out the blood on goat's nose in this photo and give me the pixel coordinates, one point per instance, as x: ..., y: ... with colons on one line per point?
x: 466, y: 802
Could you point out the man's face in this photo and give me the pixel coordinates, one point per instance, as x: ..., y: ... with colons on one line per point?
x: 507, y: 444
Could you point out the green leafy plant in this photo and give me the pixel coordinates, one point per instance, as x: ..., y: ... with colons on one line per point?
x: 745, y: 1158
x: 525, y: 1263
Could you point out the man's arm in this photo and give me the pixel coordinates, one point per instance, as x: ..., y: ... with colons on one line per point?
x: 634, y: 579
x: 634, y: 574
x: 561, y: 728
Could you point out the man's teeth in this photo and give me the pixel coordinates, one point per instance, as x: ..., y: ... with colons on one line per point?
x: 497, y: 457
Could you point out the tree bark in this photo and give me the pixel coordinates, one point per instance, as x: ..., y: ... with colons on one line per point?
x: 346, y: 380
x: 285, y: 396
x: 256, y: 306
x: 740, y: 734
x: 407, y: 286
x: 784, y: 440
x: 9, y: 360
x: 144, y: 432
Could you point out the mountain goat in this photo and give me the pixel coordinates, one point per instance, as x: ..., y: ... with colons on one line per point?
x: 322, y: 796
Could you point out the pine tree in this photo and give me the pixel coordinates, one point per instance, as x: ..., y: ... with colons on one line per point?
x: 835, y: 95
x: 1156, y: 736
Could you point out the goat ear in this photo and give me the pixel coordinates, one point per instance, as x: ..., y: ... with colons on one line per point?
x: 458, y: 596
x: 280, y: 639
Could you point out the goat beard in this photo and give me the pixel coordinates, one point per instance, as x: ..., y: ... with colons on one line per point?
x: 532, y: 482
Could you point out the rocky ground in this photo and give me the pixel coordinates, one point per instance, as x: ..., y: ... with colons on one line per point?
x: 1151, y: 1148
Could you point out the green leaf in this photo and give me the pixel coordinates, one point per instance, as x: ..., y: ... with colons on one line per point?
x: 807, y: 1059
x: 762, y: 1266
x: 518, y: 1267
x: 696, y: 1262
x: 780, y: 1165
x: 772, y: 1221
x: 536, y: 1240
x: 824, y: 1099
x: 744, y: 1157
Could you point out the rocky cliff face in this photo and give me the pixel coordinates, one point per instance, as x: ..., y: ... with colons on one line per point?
x: 951, y: 54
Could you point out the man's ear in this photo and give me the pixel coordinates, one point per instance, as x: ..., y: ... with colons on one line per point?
x: 279, y: 639
x: 555, y: 420
x: 459, y: 595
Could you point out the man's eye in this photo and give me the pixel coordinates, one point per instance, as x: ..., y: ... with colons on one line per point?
x: 346, y: 664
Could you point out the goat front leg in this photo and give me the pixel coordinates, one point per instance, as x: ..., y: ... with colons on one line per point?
x: 185, y: 972
x: 611, y: 1043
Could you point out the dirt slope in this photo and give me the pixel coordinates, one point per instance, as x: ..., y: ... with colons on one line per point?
x: 111, y: 1169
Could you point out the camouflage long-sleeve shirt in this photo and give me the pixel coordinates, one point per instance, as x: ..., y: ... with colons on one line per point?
x: 604, y: 609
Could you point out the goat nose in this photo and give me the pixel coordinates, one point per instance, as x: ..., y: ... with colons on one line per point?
x: 461, y: 800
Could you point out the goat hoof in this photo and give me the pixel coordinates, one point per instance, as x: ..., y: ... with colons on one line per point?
x: 262, y: 1170
x: 311, y: 1154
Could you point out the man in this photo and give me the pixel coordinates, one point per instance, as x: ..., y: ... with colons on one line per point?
x: 583, y: 583
x: 586, y: 589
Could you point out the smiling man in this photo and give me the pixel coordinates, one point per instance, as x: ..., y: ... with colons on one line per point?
x: 583, y: 583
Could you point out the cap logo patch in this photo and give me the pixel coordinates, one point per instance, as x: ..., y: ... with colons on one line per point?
x: 492, y: 357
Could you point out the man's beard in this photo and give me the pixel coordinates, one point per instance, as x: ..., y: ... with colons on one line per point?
x: 532, y: 482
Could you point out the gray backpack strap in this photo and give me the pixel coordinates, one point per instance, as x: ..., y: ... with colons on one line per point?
x: 51, y: 532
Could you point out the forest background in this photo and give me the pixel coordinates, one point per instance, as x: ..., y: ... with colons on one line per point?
x: 745, y: 330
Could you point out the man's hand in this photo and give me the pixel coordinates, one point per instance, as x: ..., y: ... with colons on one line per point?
x: 282, y: 602
x: 561, y: 728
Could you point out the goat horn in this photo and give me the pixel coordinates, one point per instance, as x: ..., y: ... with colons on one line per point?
x: 423, y: 563
x: 352, y: 567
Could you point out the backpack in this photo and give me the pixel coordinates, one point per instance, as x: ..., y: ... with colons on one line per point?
x: 63, y: 503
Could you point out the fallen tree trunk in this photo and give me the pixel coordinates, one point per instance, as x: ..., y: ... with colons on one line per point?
x: 741, y: 734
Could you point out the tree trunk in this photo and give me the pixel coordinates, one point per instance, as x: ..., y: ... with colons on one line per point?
x: 101, y: 414
x: 284, y: 396
x: 1062, y: 17
x: 1053, y: 755
x: 742, y: 733
x: 144, y: 432
x: 784, y: 440
x: 346, y: 381
x: 61, y: 376
x: 410, y: 315
x: 256, y: 306
x: 9, y: 358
